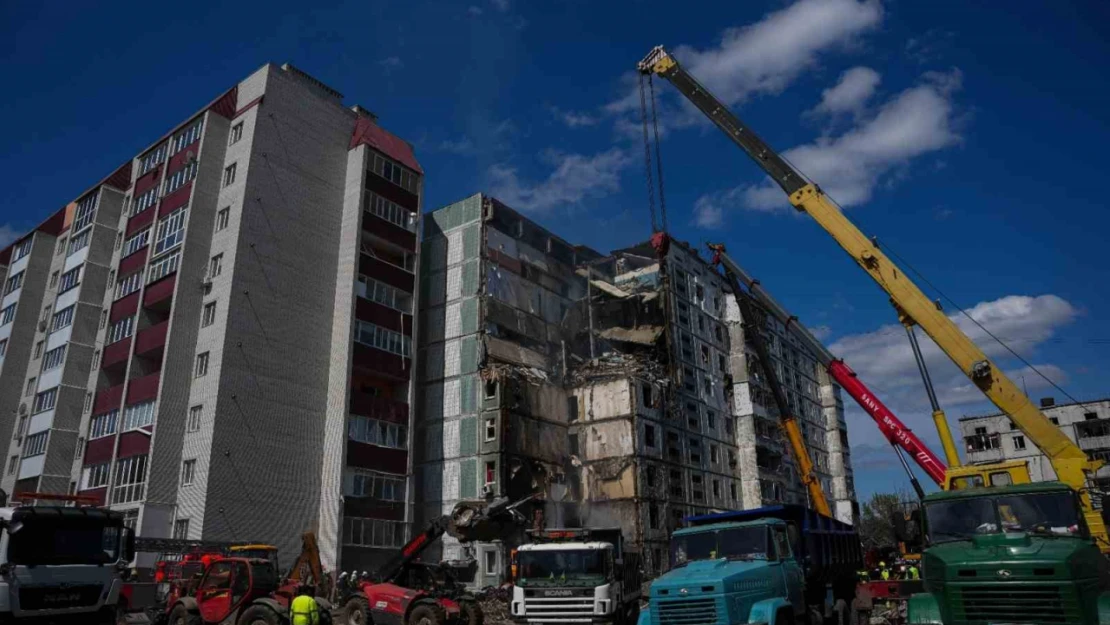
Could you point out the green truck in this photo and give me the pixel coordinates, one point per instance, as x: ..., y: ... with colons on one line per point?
x: 1011, y: 554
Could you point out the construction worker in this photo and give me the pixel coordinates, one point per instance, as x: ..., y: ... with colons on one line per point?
x: 884, y: 572
x: 304, y: 609
x: 914, y: 573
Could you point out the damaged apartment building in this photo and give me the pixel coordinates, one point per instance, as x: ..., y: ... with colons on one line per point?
x: 618, y: 388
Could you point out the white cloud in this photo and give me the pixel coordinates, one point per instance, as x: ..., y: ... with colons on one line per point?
x: 917, y: 121
x: 574, y: 119
x: 707, y: 213
x: 851, y: 92
x: 8, y: 234
x: 390, y: 64
x: 456, y: 146
x: 576, y: 177
x: 821, y: 332
x: 474, y: 10
x: 500, y: 5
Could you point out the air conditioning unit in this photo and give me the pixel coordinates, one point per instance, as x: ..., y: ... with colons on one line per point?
x: 190, y: 156
x: 487, y: 490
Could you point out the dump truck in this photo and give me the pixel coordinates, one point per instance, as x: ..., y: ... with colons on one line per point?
x: 774, y: 565
x: 1011, y: 554
x: 576, y: 575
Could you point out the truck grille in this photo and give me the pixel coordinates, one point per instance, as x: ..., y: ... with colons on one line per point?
x: 687, y: 611
x: 545, y: 609
x: 58, y: 597
x: 1015, y: 602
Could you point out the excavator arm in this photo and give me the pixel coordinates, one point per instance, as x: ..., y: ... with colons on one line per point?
x: 308, y: 567
x: 1071, y: 464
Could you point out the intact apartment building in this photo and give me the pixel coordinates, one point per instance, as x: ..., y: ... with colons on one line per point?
x: 233, y: 308
x: 995, y: 438
x: 616, y: 387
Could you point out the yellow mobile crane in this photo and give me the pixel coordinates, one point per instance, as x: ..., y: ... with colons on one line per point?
x: 1072, y: 466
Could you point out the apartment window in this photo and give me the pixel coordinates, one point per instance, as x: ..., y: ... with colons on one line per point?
x: 171, y: 231
x: 572, y: 409
x: 21, y: 249
x: 1019, y: 442
x: 138, y: 416
x: 236, y: 134
x: 1090, y: 416
x: 13, y: 464
x: 31, y: 383
x: 14, y: 283
x: 377, y: 486
x: 186, y: 137
x: 130, y: 480
x: 181, y: 529
x: 1054, y: 420
x: 716, y: 488
x: 163, y: 267
x: 377, y: 432
x: 135, y: 243
x: 79, y: 242
x: 102, y: 425
x: 188, y: 472
x: 653, y: 516
x: 386, y: 340
x: 35, y: 445
x: 152, y: 159
x: 215, y: 265
x: 390, y: 211
x: 711, y: 420
x: 45, y: 401
x: 732, y: 490
x: 38, y: 350
x: 359, y: 532
x: 63, y: 318
x: 713, y: 453
x: 53, y: 358
x: 201, y: 368
x: 144, y: 201
x: 69, y: 280
x: 368, y: 288
x: 120, y: 330
x: 731, y: 458
x: 222, y: 218
x: 129, y: 284
x: 86, y: 210
x: 177, y: 179
x: 491, y: 429
x: 193, y: 424
x: 491, y: 473
x: 229, y: 174
x: 649, y: 436
x: 54, y: 279
x: 95, y: 476
x: 391, y: 171
x: 646, y: 395
x: 7, y: 315
x: 208, y: 315
x: 3, y: 347
x: 730, y: 425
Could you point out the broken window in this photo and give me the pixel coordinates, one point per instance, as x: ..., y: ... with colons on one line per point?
x: 722, y: 363
x: 699, y: 293
x: 711, y: 419
x: 491, y: 429
x: 676, y: 483
x: 688, y: 379
x: 705, y: 355
x: 572, y: 409
x: 716, y: 488
x: 730, y: 425
x: 713, y: 455
x: 573, y: 442
x: 701, y: 322
x: 649, y: 436
x: 720, y: 335
x: 692, y: 423
x: 731, y: 458
x: 645, y: 391
x: 491, y: 389
x: 732, y: 490
x: 652, y: 476
x: 653, y: 516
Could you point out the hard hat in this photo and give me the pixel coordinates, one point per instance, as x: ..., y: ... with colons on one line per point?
x: 343, y: 574
x: 882, y: 564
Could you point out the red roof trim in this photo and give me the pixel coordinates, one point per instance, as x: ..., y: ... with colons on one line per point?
x: 371, y: 134
x: 224, y: 105
x: 249, y: 105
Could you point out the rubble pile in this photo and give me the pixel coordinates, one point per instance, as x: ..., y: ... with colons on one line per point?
x: 494, y: 602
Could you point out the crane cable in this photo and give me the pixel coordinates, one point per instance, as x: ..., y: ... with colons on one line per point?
x: 658, y: 222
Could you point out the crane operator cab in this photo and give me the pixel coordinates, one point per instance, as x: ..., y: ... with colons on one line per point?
x: 980, y: 475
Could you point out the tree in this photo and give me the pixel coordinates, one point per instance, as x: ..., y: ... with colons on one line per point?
x: 876, y: 524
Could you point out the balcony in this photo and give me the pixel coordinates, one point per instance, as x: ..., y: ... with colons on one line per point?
x: 115, y: 354
x: 376, y: 362
x: 158, y: 294
x: 108, y: 399
x: 367, y: 405
x: 140, y: 221
x: 1094, y: 434
x: 144, y: 388
x: 150, y: 342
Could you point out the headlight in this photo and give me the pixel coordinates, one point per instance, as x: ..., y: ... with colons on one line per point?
x: 602, y: 606
x: 518, y: 608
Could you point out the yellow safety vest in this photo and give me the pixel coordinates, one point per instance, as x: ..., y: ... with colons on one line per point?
x: 305, y: 611
x: 913, y: 573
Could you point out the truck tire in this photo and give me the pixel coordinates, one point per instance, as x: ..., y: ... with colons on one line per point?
x: 785, y: 616
x: 633, y: 613
x: 426, y: 614
x: 180, y: 615
x: 260, y: 615
x: 472, y: 613
x: 356, y: 611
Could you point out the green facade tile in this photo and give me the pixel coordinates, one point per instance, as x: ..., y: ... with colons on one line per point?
x: 471, y: 237
x: 468, y: 355
x: 468, y: 391
x: 468, y: 478
x: 469, y: 312
x: 468, y: 436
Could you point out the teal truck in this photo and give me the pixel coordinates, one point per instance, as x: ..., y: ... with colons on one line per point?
x: 775, y: 565
x: 1010, y: 554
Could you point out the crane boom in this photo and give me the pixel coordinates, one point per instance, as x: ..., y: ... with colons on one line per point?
x: 891, y: 426
x: 1071, y: 464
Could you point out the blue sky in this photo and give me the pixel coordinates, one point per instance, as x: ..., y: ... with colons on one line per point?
x: 969, y: 139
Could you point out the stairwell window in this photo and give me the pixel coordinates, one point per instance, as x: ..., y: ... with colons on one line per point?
x: 95, y: 476
x: 177, y: 179
x: 53, y: 358
x: 229, y: 174
x: 14, y: 283
x: 3, y: 347
x: 138, y: 416
x: 13, y: 464
x: 45, y: 401
x: 186, y: 137
x: 86, y: 210
x: 135, y: 243
x: 130, y: 479
x: 201, y: 368
x: 104, y: 424
x: 208, y: 316
x: 215, y: 266
x: 222, y: 218
x: 63, y: 318
x: 236, y: 134
x: 120, y: 330
x: 32, y: 383
x: 35, y: 445
x: 193, y: 423
x: 170, y: 232
x: 188, y: 472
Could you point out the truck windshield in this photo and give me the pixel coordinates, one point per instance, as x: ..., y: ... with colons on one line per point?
x: 578, y: 566
x: 63, y: 541
x: 1049, y: 514
x: 739, y: 543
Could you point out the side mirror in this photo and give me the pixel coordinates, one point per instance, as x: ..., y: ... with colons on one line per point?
x: 127, y: 552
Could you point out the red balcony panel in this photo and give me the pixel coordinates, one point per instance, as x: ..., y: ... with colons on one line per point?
x: 101, y: 494
x: 365, y: 456
x: 115, y: 353
x: 108, y: 399
x: 383, y: 316
x: 100, y: 450
x: 175, y: 200
x: 367, y: 405
x: 134, y: 443
x: 144, y: 388
x: 132, y: 262
x: 124, y: 307
x: 160, y: 290
x: 393, y: 193
x: 152, y: 338
x: 146, y: 181
x: 26, y: 485
x: 381, y: 363
x: 177, y: 161
x: 140, y: 221
x: 367, y: 508
x: 389, y: 231
x: 389, y: 274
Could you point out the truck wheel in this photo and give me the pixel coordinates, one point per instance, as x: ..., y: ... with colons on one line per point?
x: 260, y: 615
x: 785, y: 616
x: 426, y: 614
x: 357, y: 611
x: 180, y: 615
x: 472, y: 613
x: 633, y: 613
